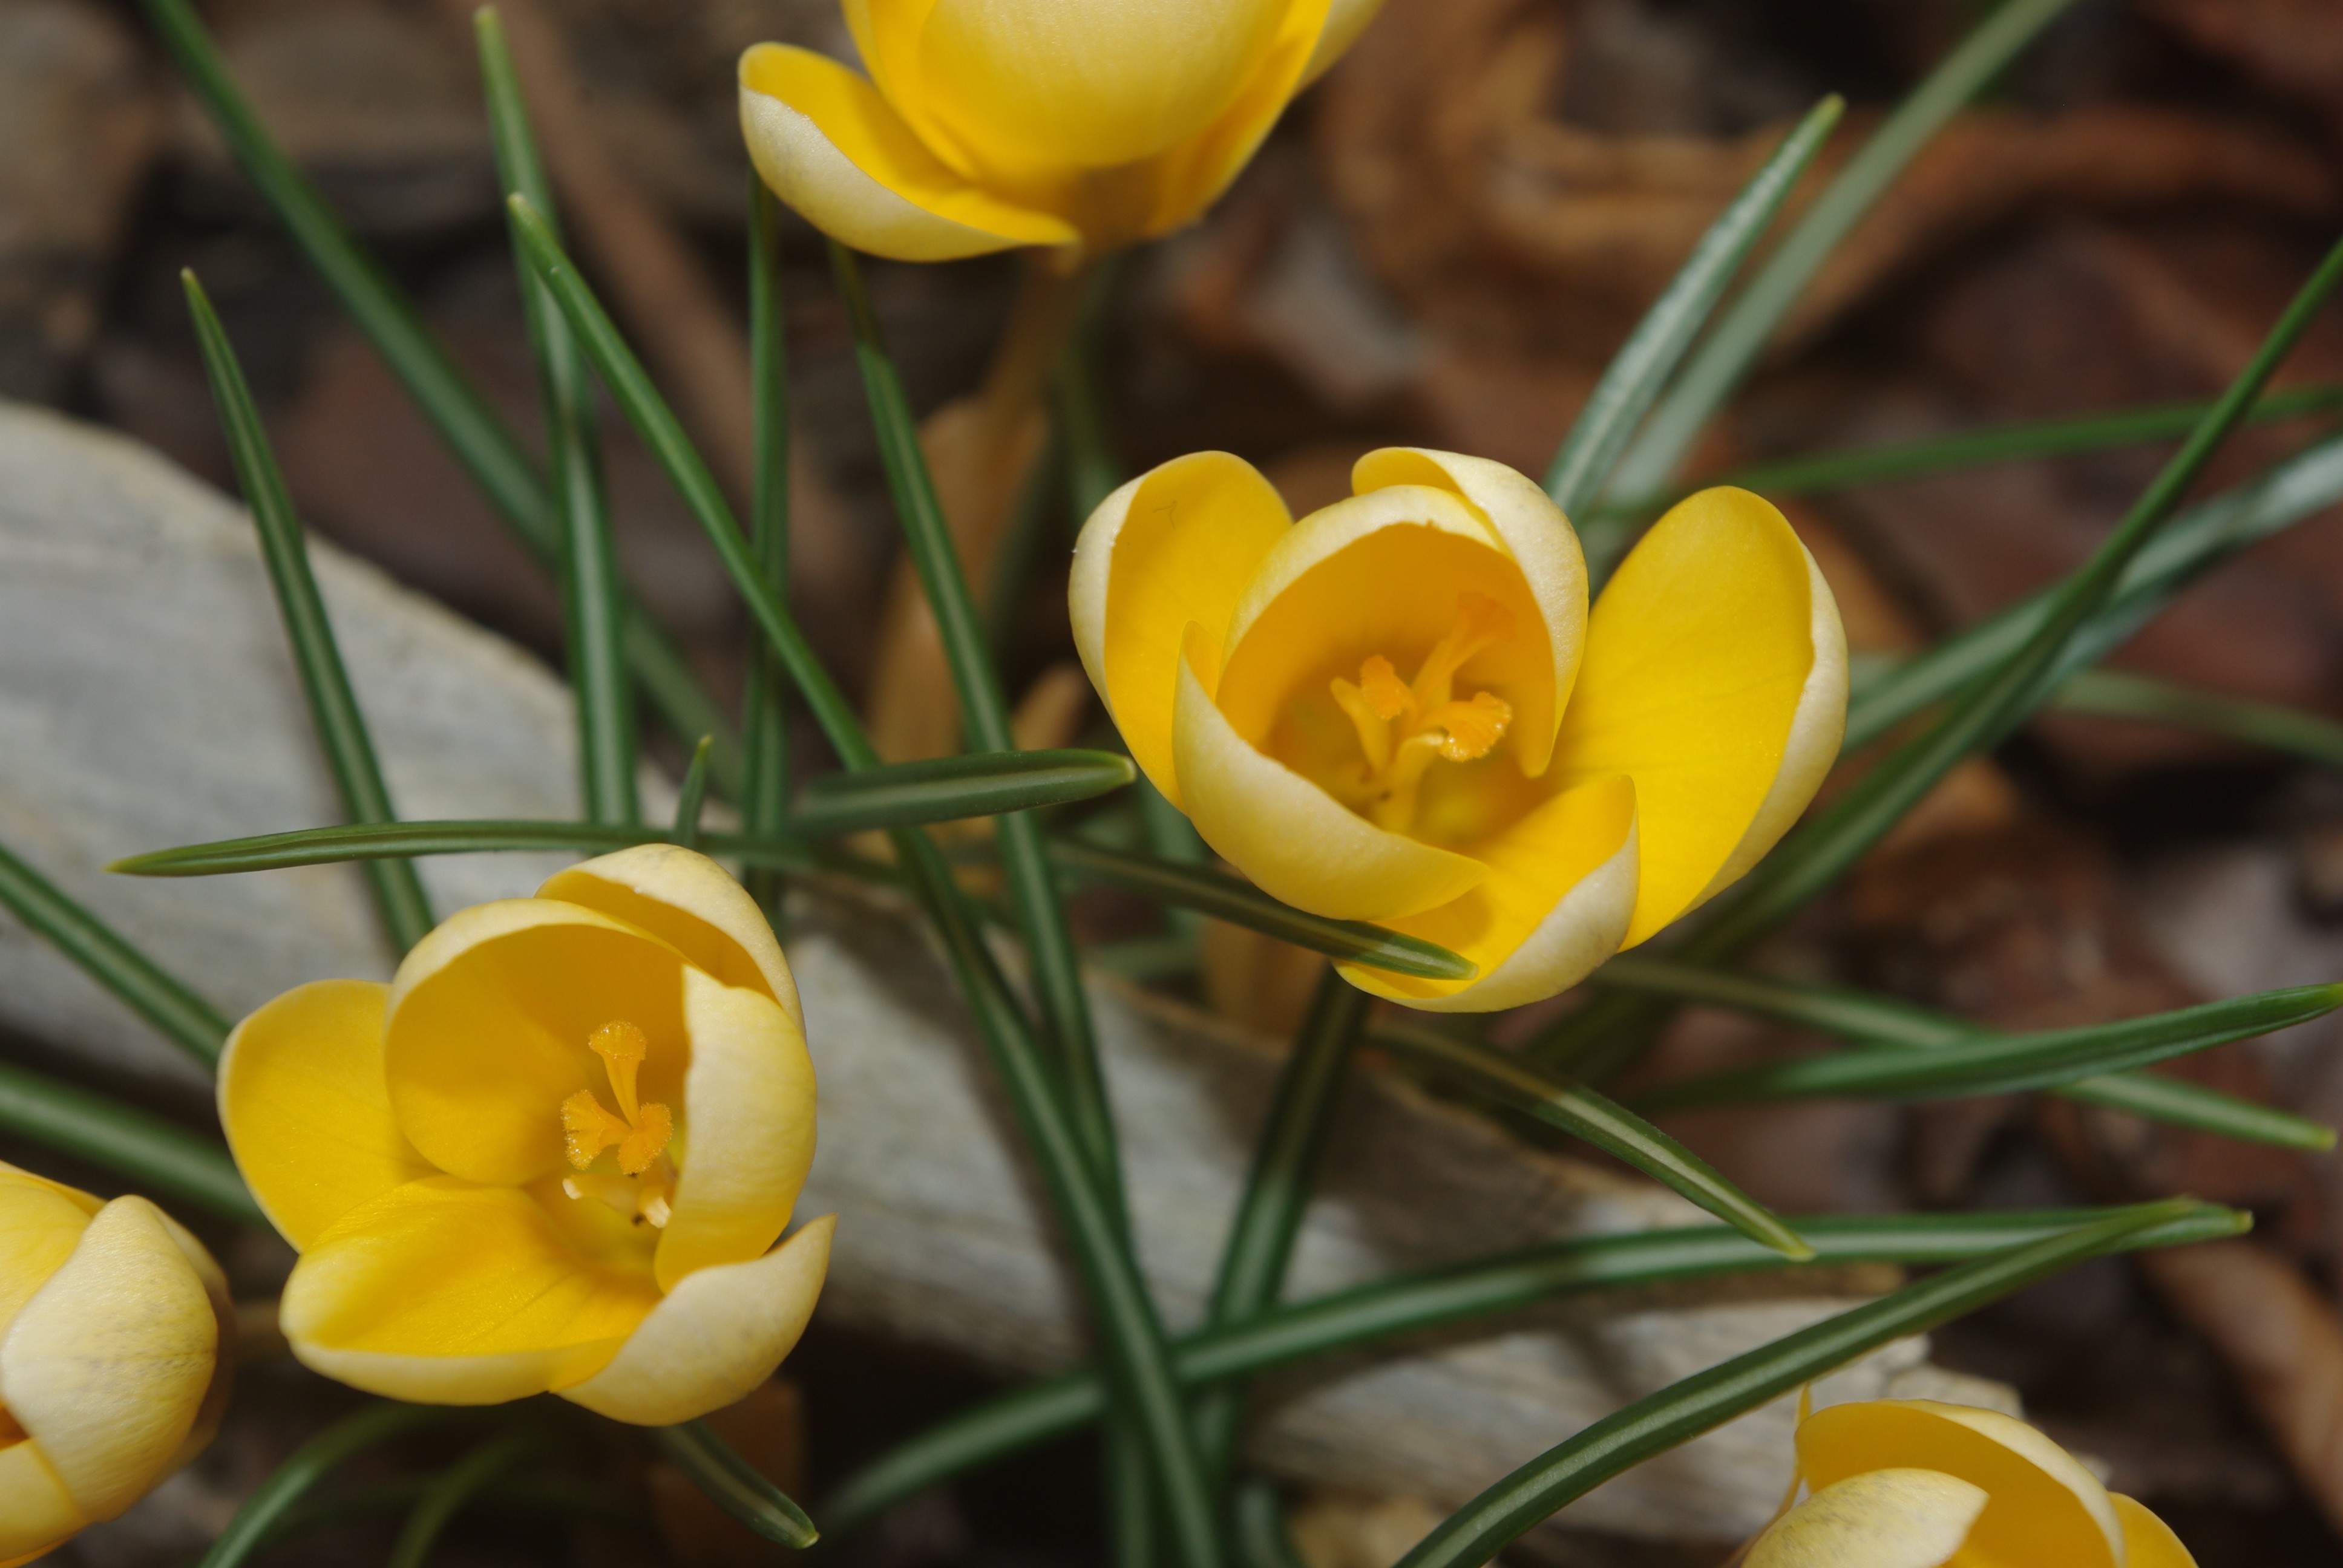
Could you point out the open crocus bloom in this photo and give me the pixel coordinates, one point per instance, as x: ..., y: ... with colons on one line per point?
x: 554, y: 1152
x: 1912, y: 1484
x: 1399, y: 710
x: 991, y: 123
x: 113, y: 1334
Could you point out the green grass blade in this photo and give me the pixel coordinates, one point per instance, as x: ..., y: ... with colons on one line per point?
x: 1883, y: 1021
x: 593, y: 603
x: 1652, y: 1425
x: 1038, y: 1411
x: 2120, y: 694
x: 185, y: 1019
x: 2007, y: 1064
x: 366, y: 1428
x: 479, y: 440
x: 1509, y: 1080
x: 570, y: 1502
x: 1722, y: 361
x: 1225, y: 898
x: 1825, y: 471
x: 733, y: 1484
x: 1636, y: 372
x: 692, y: 798
x: 951, y: 788
x: 156, y: 1155
x: 1285, y: 1159
x: 765, y: 735
x: 341, y: 727
x: 1257, y: 1526
x: 447, y: 1494
x: 327, y: 846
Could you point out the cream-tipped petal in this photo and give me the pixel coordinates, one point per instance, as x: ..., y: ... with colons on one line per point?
x: 1292, y: 839
x: 1816, y: 731
x: 1174, y: 548
x: 449, y: 1294
x: 1561, y: 887
x: 107, y: 1366
x: 35, y: 1512
x: 1879, y: 1519
x: 692, y: 904
x: 2148, y: 1541
x: 717, y: 1335
x: 2042, y: 1506
x: 1541, y: 543
x: 833, y: 148
x: 307, y: 1109
x: 749, y: 1099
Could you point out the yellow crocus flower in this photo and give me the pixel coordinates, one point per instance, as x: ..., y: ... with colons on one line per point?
x: 554, y: 1153
x: 986, y: 124
x: 115, y: 1329
x: 1399, y: 708
x: 1912, y: 1483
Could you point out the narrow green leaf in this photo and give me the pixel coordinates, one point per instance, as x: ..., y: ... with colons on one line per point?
x: 341, y: 727
x: 2009, y: 1063
x: 478, y: 439
x: 949, y: 788
x: 365, y: 1428
x: 593, y: 602
x: 1733, y: 347
x: 1510, y: 1079
x: 1883, y: 1021
x: 154, y: 1154
x: 1654, y: 1424
x: 326, y: 846
x: 1036, y: 1412
x: 765, y: 798
x: 571, y: 1501
x: 451, y: 1489
x: 2121, y: 694
x: 1277, y: 1190
x: 1258, y: 1527
x: 1223, y: 897
x: 692, y: 798
x: 733, y: 1484
x: 186, y: 1019
x: 1631, y: 383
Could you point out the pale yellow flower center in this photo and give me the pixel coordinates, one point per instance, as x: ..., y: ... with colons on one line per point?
x: 1405, y: 726
x: 640, y: 1132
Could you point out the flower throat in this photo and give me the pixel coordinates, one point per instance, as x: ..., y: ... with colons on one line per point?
x: 1405, y: 726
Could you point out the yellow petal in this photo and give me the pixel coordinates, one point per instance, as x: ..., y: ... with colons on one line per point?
x: 2042, y: 1506
x: 1559, y: 891
x: 2148, y: 1541
x: 488, y: 1025
x: 1543, y: 545
x: 449, y: 1294
x: 1292, y: 839
x: 35, y: 1513
x: 831, y: 147
x: 1699, y: 658
x: 1345, y: 20
x: 1880, y: 1518
x: 693, y: 905
x: 748, y: 1099
x: 1037, y: 84
x: 718, y: 1335
x: 1172, y: 548
x: 40, y: 1225
x: 307, y: 1108
x: 107, y: 1366
x: 1189, y: 177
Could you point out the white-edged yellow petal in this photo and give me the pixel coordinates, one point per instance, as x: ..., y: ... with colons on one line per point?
x: 717, y: 1334
x: 1295, y: 841
x: 1879, y: 1519
x: 835, y: 151
x: 2148, y: 1541
x: 748, y: 1099
x: 35, y: 1512
x: 692, y: 904
x: 445, y: 1293
x: 1559, y: 889
x: 307, y: 1109
x: 2042, y: 1505
x: 41, y: 1223
x: 1173, y: 549
x: 107, y: 1365
x: 1330, y: 531
x: 1541, y: 543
